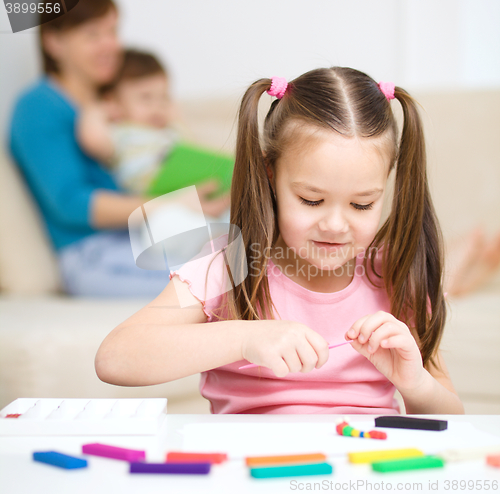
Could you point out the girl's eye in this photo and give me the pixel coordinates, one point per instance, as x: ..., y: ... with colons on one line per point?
x: 311, y: 203
x: 362, y: 207
x: 359, y: 207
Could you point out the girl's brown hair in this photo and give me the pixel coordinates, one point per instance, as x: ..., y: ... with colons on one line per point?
x: 350, y: 103
x: 84, y: 11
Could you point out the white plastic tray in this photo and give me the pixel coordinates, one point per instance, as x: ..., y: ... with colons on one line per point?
x: 57, y: 416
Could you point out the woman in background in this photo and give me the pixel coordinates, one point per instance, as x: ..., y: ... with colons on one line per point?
x: 85, y: 213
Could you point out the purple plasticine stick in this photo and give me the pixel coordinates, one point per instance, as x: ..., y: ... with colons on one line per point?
x: 114, y: 452
x: 186, y: 468
x: 251, y: 366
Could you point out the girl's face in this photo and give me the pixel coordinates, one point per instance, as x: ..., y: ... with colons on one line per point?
x: 90, y: 51
x: 329, y: 192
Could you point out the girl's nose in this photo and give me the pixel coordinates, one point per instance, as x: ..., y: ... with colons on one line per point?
x: 333, y: 222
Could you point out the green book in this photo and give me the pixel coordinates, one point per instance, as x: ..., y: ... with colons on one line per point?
x: 188, y: 164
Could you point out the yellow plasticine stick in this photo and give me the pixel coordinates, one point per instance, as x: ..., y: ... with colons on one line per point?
x: 384, y: 454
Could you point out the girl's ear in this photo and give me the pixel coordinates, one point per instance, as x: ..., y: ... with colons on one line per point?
x: 269, y: 173
x: 268, y: 168
x: 270, y: 176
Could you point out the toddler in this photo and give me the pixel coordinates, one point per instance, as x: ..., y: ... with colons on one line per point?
x: 132, y: 131
x: 305, y: 265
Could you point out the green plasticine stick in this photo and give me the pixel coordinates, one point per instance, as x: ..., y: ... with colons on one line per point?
x: 408, y: 464
x: 291, y: 470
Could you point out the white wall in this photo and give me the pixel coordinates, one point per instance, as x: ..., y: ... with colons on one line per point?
x: 452, y: 44
x: 219, y: 46
x: 225, y: 44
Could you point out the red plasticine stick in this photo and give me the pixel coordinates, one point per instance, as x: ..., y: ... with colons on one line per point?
x: 251, y: 366
x: 182, y: 457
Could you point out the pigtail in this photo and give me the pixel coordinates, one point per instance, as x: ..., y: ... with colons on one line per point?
x: 252, y: 211
x: 413, y: 257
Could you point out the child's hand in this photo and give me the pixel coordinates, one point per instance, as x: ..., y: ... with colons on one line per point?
x: 389, y: 345
x: 93, y: 132
x: 284, y: 346
x: 213, y: 206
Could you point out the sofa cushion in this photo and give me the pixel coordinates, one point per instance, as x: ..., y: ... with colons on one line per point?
x: 27, y: 262
x: 48, y: 346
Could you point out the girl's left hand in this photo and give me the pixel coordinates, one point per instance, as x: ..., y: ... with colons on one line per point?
x: 389, y: 345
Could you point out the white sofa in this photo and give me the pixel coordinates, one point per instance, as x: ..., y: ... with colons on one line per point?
x: 48, y: 340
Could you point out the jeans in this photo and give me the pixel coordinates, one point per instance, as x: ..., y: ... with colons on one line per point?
x: 103, y: 265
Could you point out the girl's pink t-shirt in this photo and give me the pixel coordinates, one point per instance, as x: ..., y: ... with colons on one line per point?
x: 347, y: 383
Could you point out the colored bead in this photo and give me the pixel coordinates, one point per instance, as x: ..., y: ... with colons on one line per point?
x: 340, y: 427
x: 347, y: 430
x: 355, y: 433
x: 378, y: 435
x: 361, y: 434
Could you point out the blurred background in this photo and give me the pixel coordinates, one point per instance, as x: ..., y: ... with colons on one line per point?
x: 444, y: 52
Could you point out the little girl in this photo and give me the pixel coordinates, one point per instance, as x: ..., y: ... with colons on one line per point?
x: 305, y: 265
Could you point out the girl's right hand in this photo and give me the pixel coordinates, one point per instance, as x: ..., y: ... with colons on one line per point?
x: 284, y: 346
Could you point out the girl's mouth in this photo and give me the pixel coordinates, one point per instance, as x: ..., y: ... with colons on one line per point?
x: 328, y: 246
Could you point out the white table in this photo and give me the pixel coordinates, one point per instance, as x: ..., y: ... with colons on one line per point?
x: 19, y: 474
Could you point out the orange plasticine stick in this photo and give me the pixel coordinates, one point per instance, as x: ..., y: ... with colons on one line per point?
x: 181, y: 456
x: 271, y: 460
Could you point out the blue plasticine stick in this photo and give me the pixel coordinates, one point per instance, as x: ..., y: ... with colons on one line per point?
x: 59, y: 460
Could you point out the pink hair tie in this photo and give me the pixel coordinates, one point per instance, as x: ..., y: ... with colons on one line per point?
x: 278, y: 87
x: 388, y: 89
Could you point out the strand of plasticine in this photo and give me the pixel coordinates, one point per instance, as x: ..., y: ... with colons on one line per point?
x: 251, y: 366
